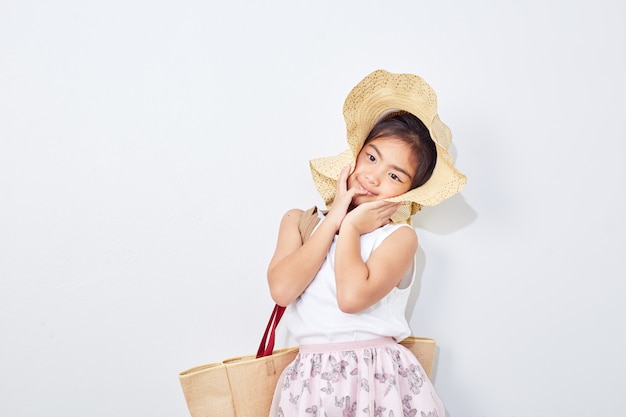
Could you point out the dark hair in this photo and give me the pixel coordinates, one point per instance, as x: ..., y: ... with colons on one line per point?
x: 410, y: 130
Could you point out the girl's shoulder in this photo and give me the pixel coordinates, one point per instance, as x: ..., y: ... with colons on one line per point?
x: 304, y: 220
x: 308, y: 221
x: 396, y: 234
x: 305, y: 214
x: 294, y: 212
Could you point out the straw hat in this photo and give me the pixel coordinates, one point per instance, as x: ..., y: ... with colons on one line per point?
x: 378, y: 94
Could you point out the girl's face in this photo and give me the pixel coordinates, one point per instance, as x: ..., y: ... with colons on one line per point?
x: 384, y: 168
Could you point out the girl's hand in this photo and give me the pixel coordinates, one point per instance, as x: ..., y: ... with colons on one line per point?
x: 343, y: 198
x: 370, y: 216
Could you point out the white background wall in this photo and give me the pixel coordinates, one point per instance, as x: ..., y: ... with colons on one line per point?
x: 149, y: 148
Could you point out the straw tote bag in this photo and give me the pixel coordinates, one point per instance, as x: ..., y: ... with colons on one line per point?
x: 244, y: 386
x: 240, y: 386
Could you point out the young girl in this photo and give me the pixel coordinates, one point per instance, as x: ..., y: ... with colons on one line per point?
x: 347, y: 285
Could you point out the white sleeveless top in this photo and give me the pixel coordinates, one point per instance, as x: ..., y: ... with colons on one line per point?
x: 314, y: 317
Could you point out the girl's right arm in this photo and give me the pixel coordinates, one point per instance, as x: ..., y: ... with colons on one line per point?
x: 294, y: 264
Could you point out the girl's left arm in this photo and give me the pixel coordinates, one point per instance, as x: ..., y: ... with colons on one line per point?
x: 362, y: 284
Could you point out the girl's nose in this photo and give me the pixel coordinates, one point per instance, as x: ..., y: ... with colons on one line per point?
x: 372, y: 178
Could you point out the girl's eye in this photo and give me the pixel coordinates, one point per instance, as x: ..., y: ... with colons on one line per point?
x: 394, y: 177
x: 371, y: 157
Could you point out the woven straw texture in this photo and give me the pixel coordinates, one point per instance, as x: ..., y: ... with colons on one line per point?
x: 237, y: 387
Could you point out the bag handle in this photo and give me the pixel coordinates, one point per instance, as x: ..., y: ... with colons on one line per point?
x: 308, y: 221
x: 269, y: 337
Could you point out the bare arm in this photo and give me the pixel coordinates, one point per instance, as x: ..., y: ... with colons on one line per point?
x: 294, y: 264
x: 361, y: 284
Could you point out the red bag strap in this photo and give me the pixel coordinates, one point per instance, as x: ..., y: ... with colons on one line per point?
x: 267, y: 342
x: 308, y: 221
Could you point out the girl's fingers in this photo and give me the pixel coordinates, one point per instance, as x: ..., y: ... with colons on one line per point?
x: 382, y: 205
x: 343, y: 176
x: 342, y: 181
x: 387, y: 210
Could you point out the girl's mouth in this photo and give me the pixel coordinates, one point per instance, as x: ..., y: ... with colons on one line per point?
x: 362, y: 187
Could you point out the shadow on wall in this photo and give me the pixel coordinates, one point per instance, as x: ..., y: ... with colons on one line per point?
x: 448, y: 217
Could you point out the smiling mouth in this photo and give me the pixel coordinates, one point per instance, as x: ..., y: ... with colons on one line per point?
x: 367, y: 191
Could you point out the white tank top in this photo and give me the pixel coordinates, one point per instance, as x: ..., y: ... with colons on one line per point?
x: 315, y: 317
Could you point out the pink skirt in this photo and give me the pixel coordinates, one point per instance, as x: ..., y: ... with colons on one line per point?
x: 378, y: 378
